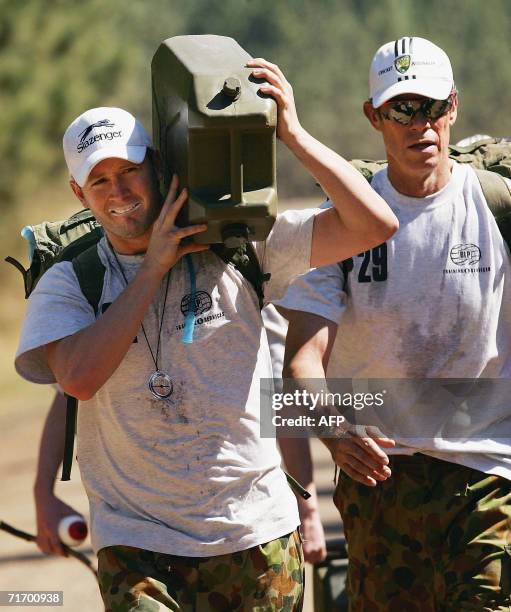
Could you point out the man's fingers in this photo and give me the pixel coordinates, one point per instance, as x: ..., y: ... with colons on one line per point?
x: 171, y: 199
x: 358, y: 476
x: 370, y: 431
x: 361, y: 473
x: 170, y: 210
x: 372, y: 449
x: 54, y: 546
x: 262, y: 63
x: 60, y: 550
x: 43, y: 544
x: 180, y: 233
x: 350, y: 452
x: 274, y: 92
x: 380, y: 438
x: 268, y: 75
x: 313, y: 554
x: 171, y: 195
x: 362, y: 464
x: 192, y: 248
x: 50, y: 546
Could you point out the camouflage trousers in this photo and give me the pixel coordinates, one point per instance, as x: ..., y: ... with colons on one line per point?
x: 435, y: 537
x: 263, y: 578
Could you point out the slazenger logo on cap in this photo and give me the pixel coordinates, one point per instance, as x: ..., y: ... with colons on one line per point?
x: 83, y: 144
x: 402, y: 63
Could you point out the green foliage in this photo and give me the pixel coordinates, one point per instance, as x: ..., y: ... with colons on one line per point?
x: 58, y: 58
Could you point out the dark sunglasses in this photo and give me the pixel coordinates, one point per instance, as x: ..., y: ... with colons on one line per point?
x: 404, y: 111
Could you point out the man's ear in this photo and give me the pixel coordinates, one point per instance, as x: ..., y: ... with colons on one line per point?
x: 453, y: 113
x: 77, y: 190
x: 372, y: 115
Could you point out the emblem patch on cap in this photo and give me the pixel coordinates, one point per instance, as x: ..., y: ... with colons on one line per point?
x: 402, y: 63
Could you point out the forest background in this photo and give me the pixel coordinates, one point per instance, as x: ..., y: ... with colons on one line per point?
x: 58, y: 58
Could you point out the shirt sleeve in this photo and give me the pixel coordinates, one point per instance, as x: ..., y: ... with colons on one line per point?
x: 320, y: 291
x: 56, y: 309
x: 286, y: 252
x: 276, y: 330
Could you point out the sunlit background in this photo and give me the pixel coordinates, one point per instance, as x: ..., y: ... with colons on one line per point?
x: 60, y: 57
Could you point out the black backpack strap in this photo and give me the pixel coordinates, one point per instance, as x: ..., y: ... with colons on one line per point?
x: 71, y: 411
x: 90, y: 272
x: 346, y: 266
x: 497, y: 194
x: 245, y: 260
x: 27, y: 275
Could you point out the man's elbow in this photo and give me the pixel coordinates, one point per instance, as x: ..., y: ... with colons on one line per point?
x: 385, y: 228
x: 73, y: 375
x: 82, y: 394
x: 300, y: 366
x: 76, y: 387
x: 288, y: 370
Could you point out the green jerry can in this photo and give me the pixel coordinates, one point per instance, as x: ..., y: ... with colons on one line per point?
x: 218, y: 133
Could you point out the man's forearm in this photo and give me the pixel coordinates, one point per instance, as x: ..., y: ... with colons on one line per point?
x: 83, y: 362
x: 359, y: 207
x: 305, y: 374
x: 360, y: 219
x: 51, y: 447
x: 309, y: 343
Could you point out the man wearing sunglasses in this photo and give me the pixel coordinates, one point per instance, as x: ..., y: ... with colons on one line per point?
x: 425, y: 496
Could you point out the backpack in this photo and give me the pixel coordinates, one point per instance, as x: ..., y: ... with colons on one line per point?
x: 75, y: 240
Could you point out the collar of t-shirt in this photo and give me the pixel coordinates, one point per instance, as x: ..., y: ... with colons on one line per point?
x: 384, y: 187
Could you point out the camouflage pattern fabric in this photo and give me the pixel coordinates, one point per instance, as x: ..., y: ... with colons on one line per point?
x: 264, y: 578
x: 435, y: 537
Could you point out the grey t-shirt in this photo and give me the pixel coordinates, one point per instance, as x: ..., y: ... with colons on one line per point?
x: 189, y: 475
x: 433, y: 302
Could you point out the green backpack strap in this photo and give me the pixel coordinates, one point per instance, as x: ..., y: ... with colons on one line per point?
x: 245, y: 260
x: 497, y: 193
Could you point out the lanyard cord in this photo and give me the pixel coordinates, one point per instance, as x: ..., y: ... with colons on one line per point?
x: 187, y: 337
x: 155, y: 360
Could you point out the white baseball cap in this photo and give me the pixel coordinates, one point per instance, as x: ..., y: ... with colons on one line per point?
x: 410, y: 65
x: 100, y: 133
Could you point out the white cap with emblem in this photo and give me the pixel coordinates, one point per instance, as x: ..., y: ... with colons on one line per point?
x: 410, y: 65
x: 101, y: 133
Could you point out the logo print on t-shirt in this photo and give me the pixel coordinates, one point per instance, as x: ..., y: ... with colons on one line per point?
x: 374, y: 265
x: 465, y: 254
x: 202, y: 303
